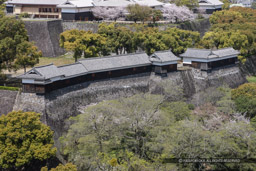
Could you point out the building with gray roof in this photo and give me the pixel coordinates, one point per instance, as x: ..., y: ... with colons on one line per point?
x: 70, y: 9
x: 207, y: 59
x: 46, y: 78
x: 210, y: 5
x: 164, y: 61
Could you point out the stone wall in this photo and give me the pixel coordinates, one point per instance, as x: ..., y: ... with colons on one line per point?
x: 201, y: 26
x: 249, y: 67
x: 7, y: 101
x: 61, y: 104
x: 69, y: 25
x: 45, y: 34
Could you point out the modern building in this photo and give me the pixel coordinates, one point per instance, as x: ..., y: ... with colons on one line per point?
x: 207, y: 59
x: 210, y: 5
x: 47, y: 78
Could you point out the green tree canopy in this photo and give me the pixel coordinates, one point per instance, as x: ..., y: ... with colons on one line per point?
x: 191, y: 4
x: 27, y: 55
x: 120, y: 39
x: 83, y: 43
x: 12, y: 34
x: 138, y: 12
x: 24, y: 139
x: 234, y: 27
x: 111, y: 127
x: 61, y: 167
x: 245, y: 99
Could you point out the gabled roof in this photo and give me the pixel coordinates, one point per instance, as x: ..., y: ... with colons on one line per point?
x: 36, y: 2
x: 113, y: 3
x: 163, y: 56
x: 72, y: 69
x: 42, y: 72
x: 150, y: 3
x: 90, y: 65
x: 210, y: 2
x: 209, y: 54
x: 109, y: 63
x: 76, y: 3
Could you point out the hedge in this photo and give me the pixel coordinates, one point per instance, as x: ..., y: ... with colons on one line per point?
x: 9, y: 88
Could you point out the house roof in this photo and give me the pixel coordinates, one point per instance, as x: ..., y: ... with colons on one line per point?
x: 163, y: 56
x: 72, y: 69
x: 77, y: 3
x: 113, y: 3
x: 90, y: 65
x: 210, y: 2
x: 42, y: 72
x: 115, y: 62
x: 150, y: 3
x: 209, y: 54
x: 36, y: 2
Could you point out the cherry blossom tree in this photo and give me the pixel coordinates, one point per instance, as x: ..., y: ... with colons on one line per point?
x: 174, y: 13
x: 106, y: 13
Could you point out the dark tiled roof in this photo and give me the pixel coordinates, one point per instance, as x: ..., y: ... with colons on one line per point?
x: 72, y: 69
x: 163, y: 56
x: 208, y: 53
x: 115, y: 62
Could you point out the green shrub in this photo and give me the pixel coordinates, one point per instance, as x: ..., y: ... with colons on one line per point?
x: 24, y: 15
x: 9, y: 88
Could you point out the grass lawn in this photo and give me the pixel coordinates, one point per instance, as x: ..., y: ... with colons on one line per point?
x: 58, y: 61
x: 251, y: 79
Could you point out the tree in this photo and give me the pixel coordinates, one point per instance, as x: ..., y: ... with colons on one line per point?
x: 179, y: 40
x: 238, y: 25
x: 66, y: 167
x: 150, y: 40
x: 83, y: 43
x: 245, y: 99
x: 110, y: 128
x: 107, y: 13
x: 215, y: 137
x: 253, y: 5
x: 120, y: 39
x: 27, y: 55
x: 191, y: 4
x: 176, y: 110
x: 221, y: 39
x: 138, y: 13
x: 12, y: 33
x: 24, y: 139
x: 175, y: 14
x: 226, y: 4
x: 156, y: 15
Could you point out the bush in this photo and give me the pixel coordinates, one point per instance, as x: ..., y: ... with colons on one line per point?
x: 9, y: 88
x: 245, y: 99
x: 24, y: 15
